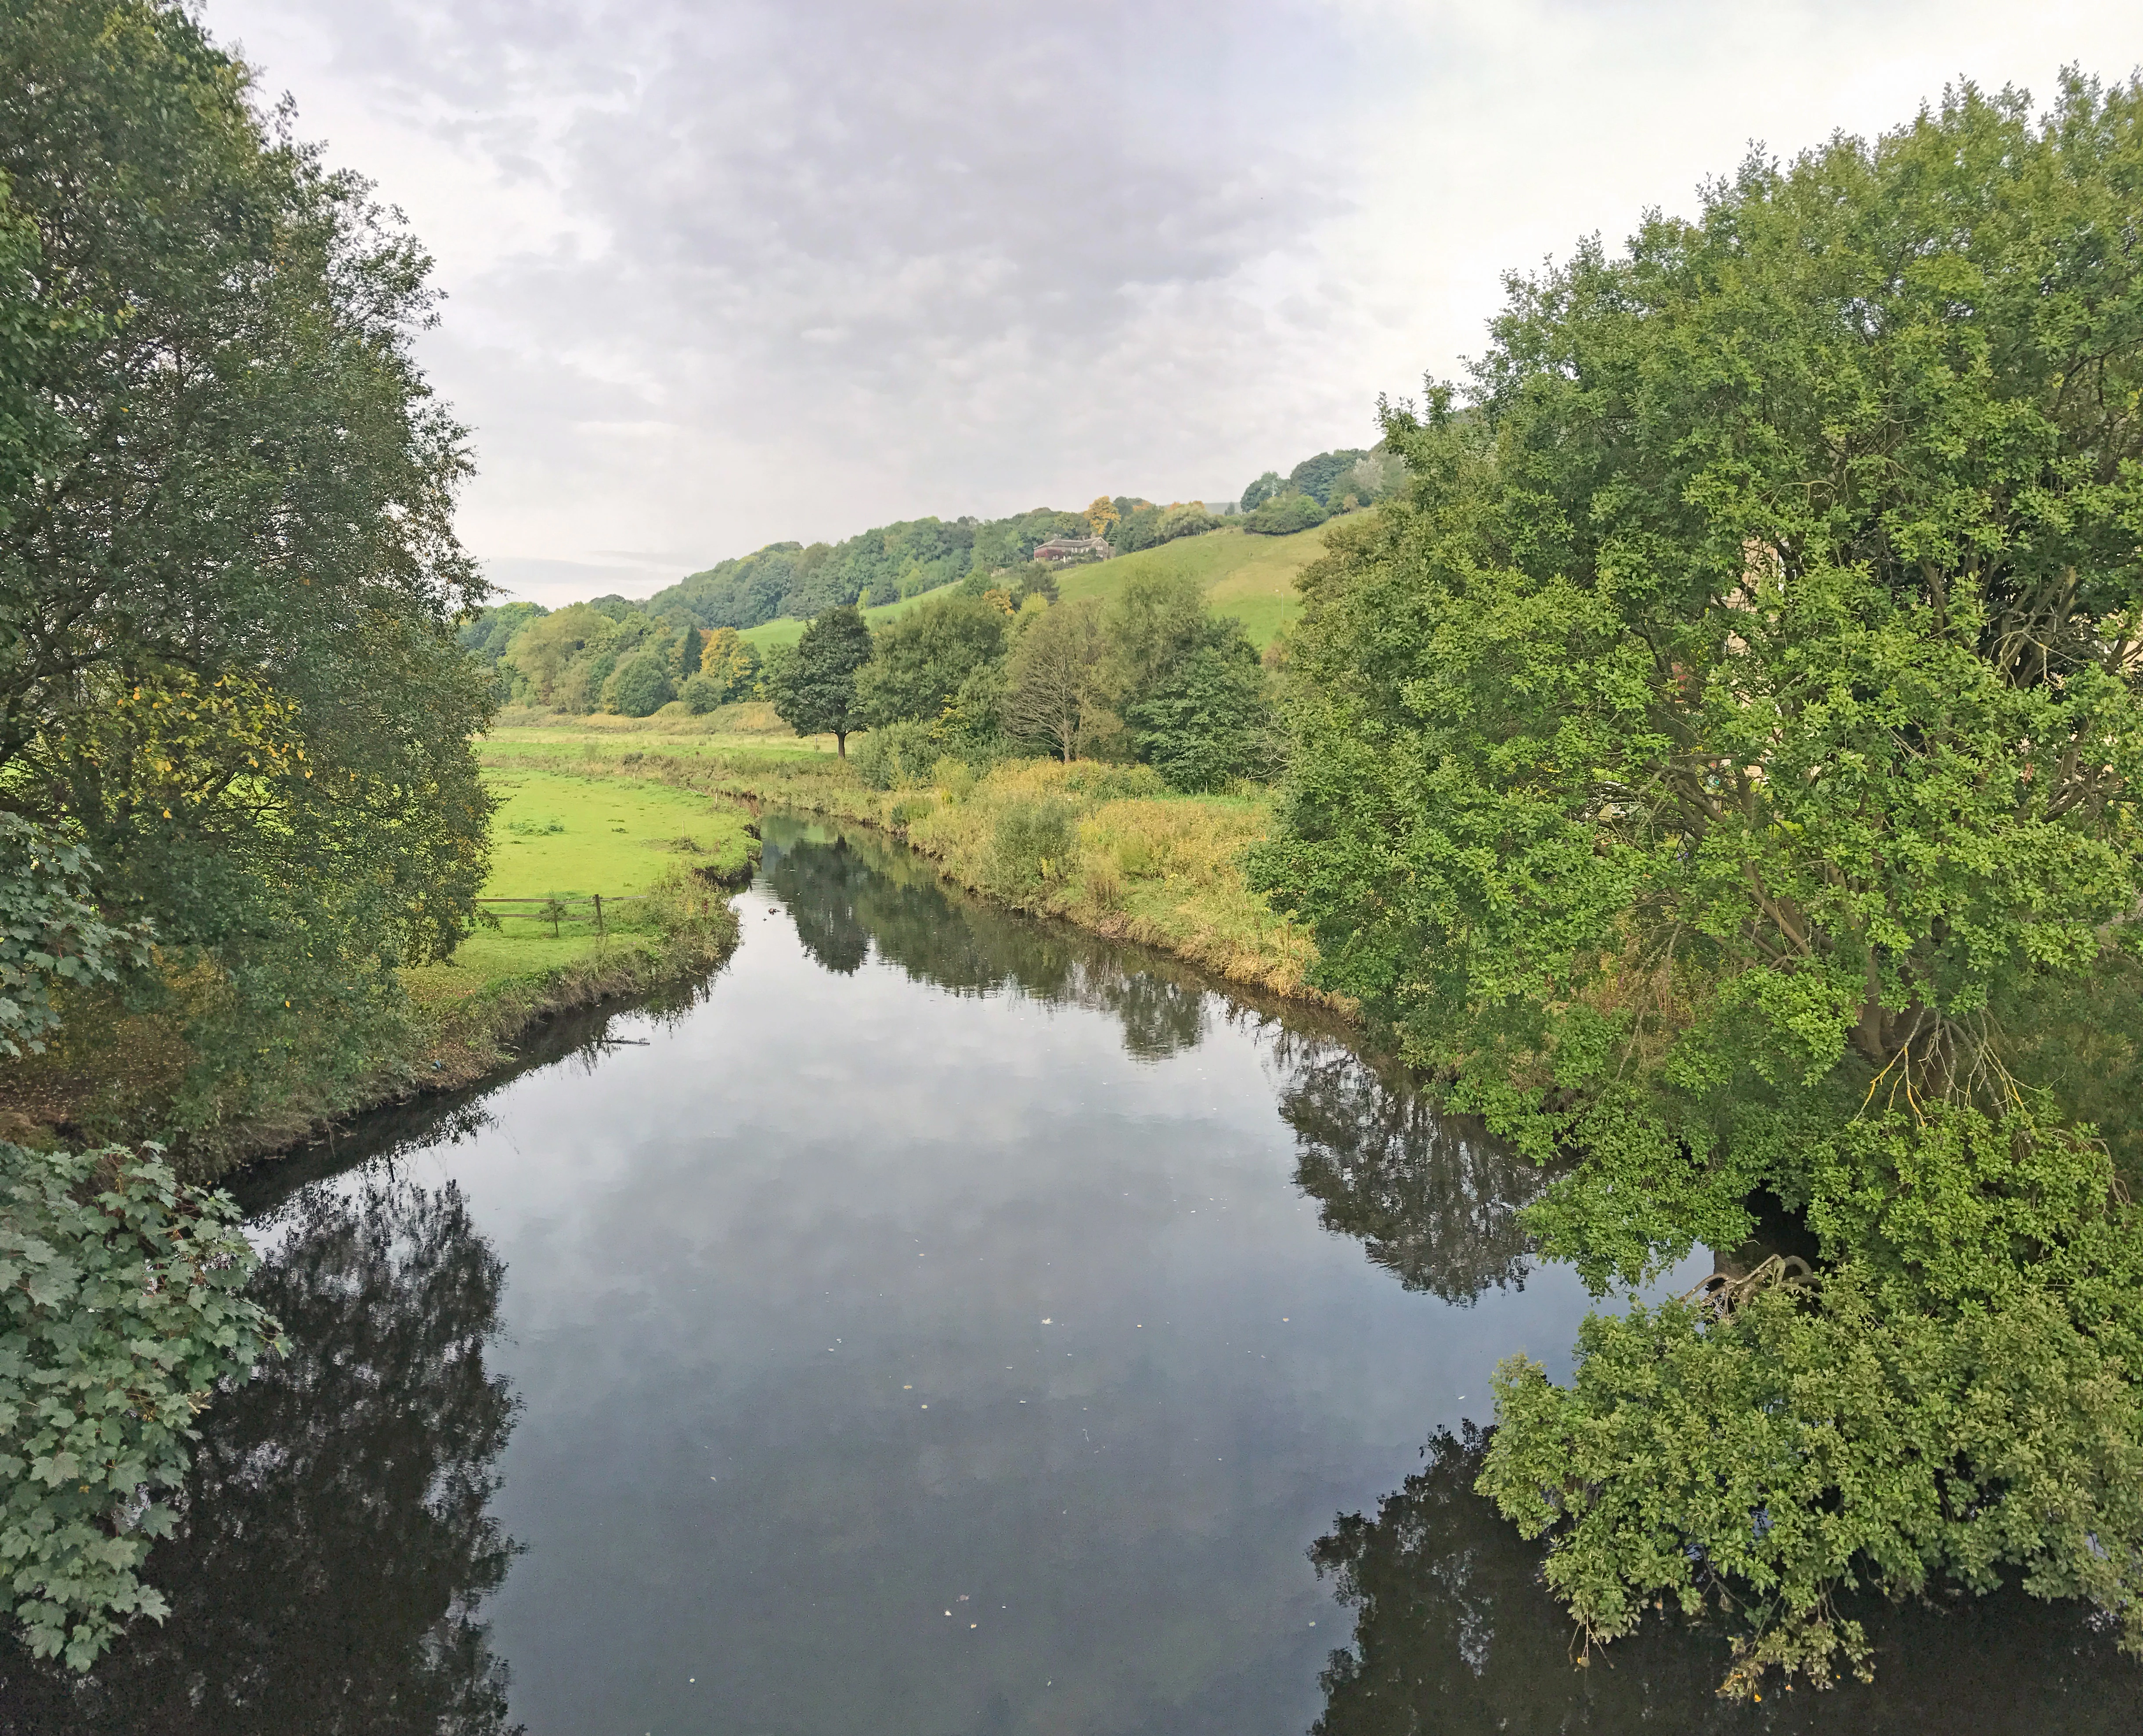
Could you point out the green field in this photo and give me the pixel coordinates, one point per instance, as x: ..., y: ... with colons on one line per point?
x: 1249, y: 577
x: 751, y: 728
x: 556, y: 834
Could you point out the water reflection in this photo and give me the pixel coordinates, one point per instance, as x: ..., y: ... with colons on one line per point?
x: 899, y: 1360
x: 337, y: 1545
x: 1433, y: 1199
x: 1455, y: 1632
x: 848, y: 892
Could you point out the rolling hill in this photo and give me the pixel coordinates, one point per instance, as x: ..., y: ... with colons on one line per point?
x: 1249, y: 577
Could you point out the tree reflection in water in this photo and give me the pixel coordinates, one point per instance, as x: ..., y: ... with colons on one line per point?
x: 1432, y: 1198
x: 337, y: 1545
x: 1455, y: 1632
x: 848, y: 892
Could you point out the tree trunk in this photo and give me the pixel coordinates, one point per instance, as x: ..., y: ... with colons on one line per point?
x: 841, y: 743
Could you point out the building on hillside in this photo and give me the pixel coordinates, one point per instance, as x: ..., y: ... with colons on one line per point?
x: 1070, y: 550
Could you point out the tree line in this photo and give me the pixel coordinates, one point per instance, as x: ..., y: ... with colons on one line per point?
x: 897, y: 560
x: 1150, y: 675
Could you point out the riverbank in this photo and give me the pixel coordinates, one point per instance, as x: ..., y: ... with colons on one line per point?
x: 1105, y: 848
x: 598, y: 892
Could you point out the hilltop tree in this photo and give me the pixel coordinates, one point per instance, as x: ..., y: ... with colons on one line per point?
x: 814, y: 690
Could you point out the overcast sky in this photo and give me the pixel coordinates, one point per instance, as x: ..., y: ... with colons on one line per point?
x: 722, y: 274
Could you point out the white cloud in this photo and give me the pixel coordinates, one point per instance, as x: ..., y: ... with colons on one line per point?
x: 721, y: 275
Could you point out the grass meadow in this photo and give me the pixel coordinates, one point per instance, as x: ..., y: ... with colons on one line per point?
x: 570, y: 834
x: 1105, y: 847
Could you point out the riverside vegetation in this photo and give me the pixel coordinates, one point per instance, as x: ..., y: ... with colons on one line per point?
x: 1721, y: 770
x: 239, y: 803
x: 1712, y: 763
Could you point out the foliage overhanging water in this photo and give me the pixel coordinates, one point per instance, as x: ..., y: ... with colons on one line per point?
x: 944, y: 1322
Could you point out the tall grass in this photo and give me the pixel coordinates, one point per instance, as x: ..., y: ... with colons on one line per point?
x: 1106, y: 847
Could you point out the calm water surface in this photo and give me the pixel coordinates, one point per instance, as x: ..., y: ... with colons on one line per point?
x: 947, y: 1324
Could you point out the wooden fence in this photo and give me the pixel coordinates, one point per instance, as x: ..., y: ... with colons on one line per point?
x: 555, y: 911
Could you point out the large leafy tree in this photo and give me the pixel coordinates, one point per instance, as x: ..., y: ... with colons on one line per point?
x: 227, y: 572
x: 814, y: 690
x: 1746, y: 692
x: 920, y: 662
x: 1061, y: 681
x: 1206, y: 721
x: 1715, y: 766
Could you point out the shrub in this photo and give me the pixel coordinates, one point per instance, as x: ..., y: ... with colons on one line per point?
x: 703, y: 693
x: 1100, y: 780
x: 121, y: 1309
x: 955, y: 777
x: 1284, y: 515
x: 1956, y: 1396
x: 1189, y: 518
x: 1036, y: 840
x: 640, y: 686
x: 897, y: 756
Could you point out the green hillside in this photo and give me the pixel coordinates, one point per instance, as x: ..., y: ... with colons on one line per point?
x: 1249, y: 577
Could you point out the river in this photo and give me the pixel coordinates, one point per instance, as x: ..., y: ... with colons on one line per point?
x: 938, y: 1322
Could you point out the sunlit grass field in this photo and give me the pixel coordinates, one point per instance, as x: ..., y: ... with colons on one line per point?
x: 560, y: 834
x: 556, y: 834
x: 1249, y: 577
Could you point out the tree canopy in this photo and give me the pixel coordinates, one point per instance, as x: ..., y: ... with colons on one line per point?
x: 228, y: 569
x: 1736, y: 725
x: 919, y: 662
x: 814, y: 689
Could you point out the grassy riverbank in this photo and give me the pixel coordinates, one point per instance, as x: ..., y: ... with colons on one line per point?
x: 658, y: 857
x: 1105, y: 847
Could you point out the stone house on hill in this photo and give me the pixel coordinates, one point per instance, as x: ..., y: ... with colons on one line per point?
x: 1069, y: 551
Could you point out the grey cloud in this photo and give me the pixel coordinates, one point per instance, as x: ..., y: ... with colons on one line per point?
x: 827, y: 264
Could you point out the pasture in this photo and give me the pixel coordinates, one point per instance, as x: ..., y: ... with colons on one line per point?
x: 1249, y: 577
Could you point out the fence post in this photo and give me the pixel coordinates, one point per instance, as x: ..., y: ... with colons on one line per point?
x: 598, y: 920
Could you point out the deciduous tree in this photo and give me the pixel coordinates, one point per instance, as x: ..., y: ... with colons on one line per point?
x: 814, y: 690
x: 1059, y: 680
x: 1713, y: 767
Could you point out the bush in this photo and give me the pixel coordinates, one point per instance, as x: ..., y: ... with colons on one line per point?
x: 899, y: 756
x: 1101, y: 780
x: 1956, y: 1396
x: 955, y: 777
x: 121, y: 1309
x: 1189, y: 519
x: 1284, y: 515
x: 1035, y: 841
x: 640, y: 686
x: 1208, y: 721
